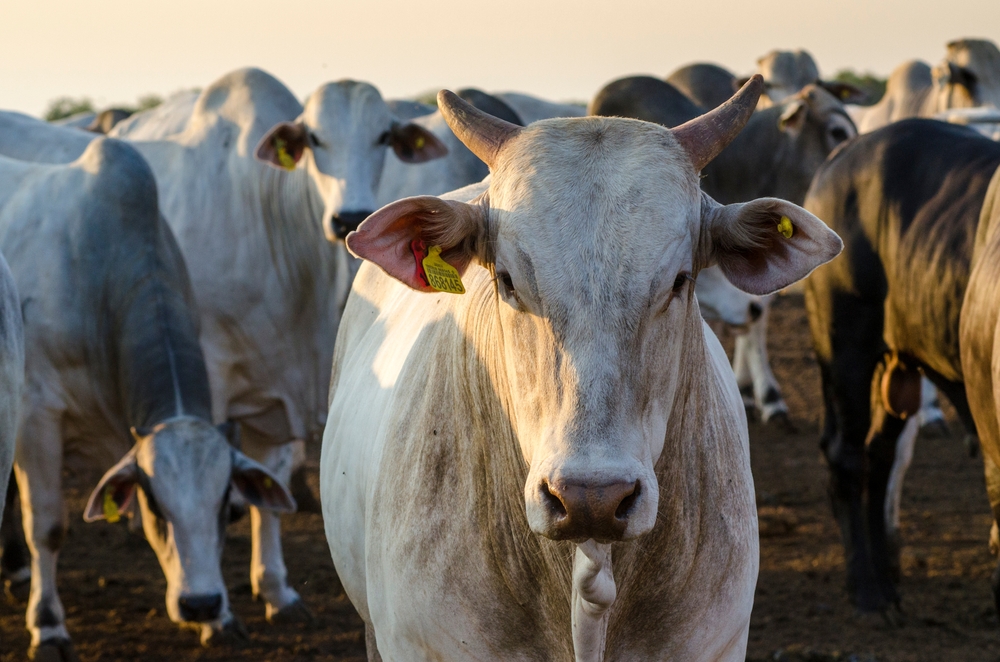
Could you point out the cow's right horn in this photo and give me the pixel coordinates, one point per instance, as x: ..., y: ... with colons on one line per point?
x: 482, y: 133
x: 704, y: 137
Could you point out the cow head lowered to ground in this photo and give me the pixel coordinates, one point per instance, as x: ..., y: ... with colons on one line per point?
x: 595, y: 230
x: 342, y: 134
x: 180, y: 474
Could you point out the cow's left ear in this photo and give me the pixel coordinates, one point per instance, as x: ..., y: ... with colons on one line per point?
x: 259, y: 486
x: 113, y: 494
x: 793, y: 117
x: 413, y: 143
x: 284, y: 145
x: 398, y: 237
x: 767, y: 244
x: 949, y: 73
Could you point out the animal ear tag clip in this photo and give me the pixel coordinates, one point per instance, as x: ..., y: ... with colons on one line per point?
x: 111, y: 513
x: 434, y: 271
x: 286, y: 160
x: 786, y: 228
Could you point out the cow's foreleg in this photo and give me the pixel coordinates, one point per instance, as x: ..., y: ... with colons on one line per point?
x: 268, y: 574
x: 753, y: 369
x: 39, y: 471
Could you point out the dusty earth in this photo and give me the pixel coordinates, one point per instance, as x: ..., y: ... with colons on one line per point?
x: 112, y: 586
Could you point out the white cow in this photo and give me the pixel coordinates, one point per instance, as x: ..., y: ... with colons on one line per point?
x: 269, y: 287
x: 484, y: 450
x: 111, y: 336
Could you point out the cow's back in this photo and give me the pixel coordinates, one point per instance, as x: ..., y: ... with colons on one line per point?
x: 906, y: 200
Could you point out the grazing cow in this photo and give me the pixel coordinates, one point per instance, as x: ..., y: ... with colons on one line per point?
x: 979, y: 341
x: 707, y: 85
x: 906, y: 199
x: 458, y: 169
x: 269, y: 286
x: 111, y: 338
x: 775, y: 155
x: 484, y: 450
x: 11, y: 380
x: 969, y: 76
x: 531, y: 109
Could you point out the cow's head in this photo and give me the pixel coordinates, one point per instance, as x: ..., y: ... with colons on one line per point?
x: 180, y: 473
x: 813, y: 123
x: 721, y: 301
x: 595, y: 229
x: 341, y: 138
x: 969, y: 75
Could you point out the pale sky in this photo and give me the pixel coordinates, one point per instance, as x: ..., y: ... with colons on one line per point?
x: 561, y: 50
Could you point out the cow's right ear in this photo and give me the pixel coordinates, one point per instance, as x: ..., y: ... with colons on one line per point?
x: 284, y: 145
x: 397, y: 236
x: 115, y: 491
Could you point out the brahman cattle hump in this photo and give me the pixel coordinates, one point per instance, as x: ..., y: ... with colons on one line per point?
x: 969, y: 76
x: 707, y: 85
x: 111, y: 335
x: 775, y: 155
x: 906, y: 199
x: 979, y: 341
x: 484, y: 450
x: 270, y: 288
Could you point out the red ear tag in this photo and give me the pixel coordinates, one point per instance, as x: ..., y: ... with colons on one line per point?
x: 419, y: 248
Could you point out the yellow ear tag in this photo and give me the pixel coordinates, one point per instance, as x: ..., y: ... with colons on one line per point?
x: 286, y: 160
x: 440, y: 275
x: 268, y: 483
x: 110, y: 507
x: 419, y: 142
x: 785, y: 227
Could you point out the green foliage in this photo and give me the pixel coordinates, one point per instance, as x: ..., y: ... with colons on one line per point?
x: 67, y: 106
x: 870, y: 84
x: 430, y: 98
x: 147, y: 101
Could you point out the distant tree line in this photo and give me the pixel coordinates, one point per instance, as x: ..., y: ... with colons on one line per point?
x: 870, y: 84
x: 63, y: 107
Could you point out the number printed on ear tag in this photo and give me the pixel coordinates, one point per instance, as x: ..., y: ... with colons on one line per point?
x: 110, y: 507
x: 440, y: 275
x: 786, y: 228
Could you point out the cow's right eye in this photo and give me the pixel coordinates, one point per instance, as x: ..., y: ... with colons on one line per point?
x: 507, y: 290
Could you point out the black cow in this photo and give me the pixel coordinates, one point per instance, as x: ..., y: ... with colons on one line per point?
x: 906, y: 200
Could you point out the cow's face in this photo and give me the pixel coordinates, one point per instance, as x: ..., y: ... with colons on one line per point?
x: 786, y: 72
x: 595, y: 229
x: 340, y: 139
x: 183, y: 471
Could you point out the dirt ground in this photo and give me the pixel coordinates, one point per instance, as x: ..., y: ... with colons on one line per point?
x: 112, y: 586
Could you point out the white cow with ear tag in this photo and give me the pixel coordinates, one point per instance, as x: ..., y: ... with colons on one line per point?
x: 554, y: 465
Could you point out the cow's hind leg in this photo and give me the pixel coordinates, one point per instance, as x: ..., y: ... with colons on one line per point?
x: 268, y: 574
x: 15, y: 563
x: 39, y: 471
x: 753, y: 371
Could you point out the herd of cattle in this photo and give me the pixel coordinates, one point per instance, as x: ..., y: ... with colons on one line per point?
x: 533, y: 445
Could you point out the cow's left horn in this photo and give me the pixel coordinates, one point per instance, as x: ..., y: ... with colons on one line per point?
x: 482, y: 133
x: 704, y: 137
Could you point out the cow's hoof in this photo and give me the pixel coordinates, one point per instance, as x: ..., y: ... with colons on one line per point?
x: 972, y: 445
x: 17, y: 589
x: 53, y: 650
x: 779, y: 420
x: 936, y: 429
x: 295, y: 612
x: 232, y: 634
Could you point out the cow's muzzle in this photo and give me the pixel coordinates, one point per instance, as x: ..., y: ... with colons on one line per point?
x: 200, y: 608
x: 338, y: 226
x: 579, y: 511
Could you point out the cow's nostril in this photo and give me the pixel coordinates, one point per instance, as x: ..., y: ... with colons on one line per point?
x: 626, y: 504
x: 552, y: 502
x: 200, y: 608
x: 755, y: 311
x: 346, y: 222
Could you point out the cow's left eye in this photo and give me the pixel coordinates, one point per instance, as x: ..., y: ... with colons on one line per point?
x: 507, y: 286
x: 313, y: 140
x: 682, y: 278
x: 384, y: 138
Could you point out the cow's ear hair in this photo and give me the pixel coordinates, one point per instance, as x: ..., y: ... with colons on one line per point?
x: 793, y: 117
x: 767, y: 244
x: 231, y: 431
x: 845, y: 92
x: 413, y: 143
x: 259, y: 486
x: 116, y: 487
x: 284, y: 145
x: 394, y: 236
